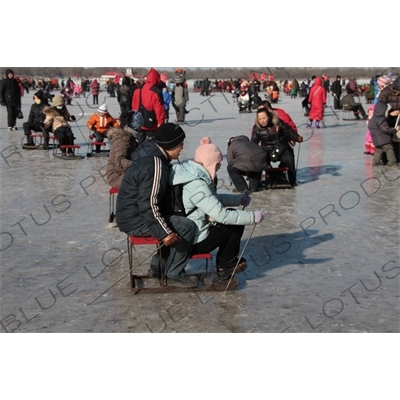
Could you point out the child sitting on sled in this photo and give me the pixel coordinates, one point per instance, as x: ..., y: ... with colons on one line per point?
x: 99, y: 123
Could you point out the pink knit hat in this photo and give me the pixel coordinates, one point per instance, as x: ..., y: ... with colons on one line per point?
x: 384, y: 80
x: 209, y: 155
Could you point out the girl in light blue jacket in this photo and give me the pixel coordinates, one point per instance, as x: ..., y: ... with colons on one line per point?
x: 217, y: 226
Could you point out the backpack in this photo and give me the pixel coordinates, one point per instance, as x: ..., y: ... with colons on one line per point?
x: 173, y: 202
x: 149, y: 117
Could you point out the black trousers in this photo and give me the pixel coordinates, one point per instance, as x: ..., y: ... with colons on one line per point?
x: 12, y: 112
x: 225, y: 238
x: 65, y: 136
x: 239, y: 181
x: 336, y: 103
x: 125, y: 107
x: 287, y: 158
x: 31, y: 126
x: 355, y: 109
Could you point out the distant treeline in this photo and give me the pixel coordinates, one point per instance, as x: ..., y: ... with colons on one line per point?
x: 280, y: 73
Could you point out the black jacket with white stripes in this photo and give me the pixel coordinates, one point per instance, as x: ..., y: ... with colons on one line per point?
x: 142, y: 190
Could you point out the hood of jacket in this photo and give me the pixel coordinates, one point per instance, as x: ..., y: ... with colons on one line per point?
x: 126, y: 81
x: 318, y: 81
x: 53, y: 112
x: 153, y: 77
x: 114, y: 133
x: 380, y: 110
x: 396, y: 83
x: 188, y: 172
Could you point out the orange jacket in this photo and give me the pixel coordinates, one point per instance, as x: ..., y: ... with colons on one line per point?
x: 102, y: 124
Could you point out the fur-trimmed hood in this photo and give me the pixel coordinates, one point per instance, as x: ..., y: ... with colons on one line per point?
x: 120, y: 133
x: 56, y: 118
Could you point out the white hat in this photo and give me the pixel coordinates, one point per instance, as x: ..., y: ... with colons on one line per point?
x: 103, y: 109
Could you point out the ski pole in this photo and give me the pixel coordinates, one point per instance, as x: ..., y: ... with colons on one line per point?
x: 81, y: 133
x: 119, y: 280
x: 241, y: 255
x: 298, y: 156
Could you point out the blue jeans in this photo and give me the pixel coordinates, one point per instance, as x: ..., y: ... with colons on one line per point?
x: 181, y: 251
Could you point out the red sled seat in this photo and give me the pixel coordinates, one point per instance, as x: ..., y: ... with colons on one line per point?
x: 151, y: 240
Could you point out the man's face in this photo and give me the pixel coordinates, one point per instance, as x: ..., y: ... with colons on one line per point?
x: 10, y: 75
x: 175, y: 152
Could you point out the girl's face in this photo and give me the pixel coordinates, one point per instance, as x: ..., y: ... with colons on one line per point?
x: 262, y: 119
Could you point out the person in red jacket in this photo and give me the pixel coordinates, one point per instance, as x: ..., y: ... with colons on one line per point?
x: 317, y: 101
x: 148, y: 100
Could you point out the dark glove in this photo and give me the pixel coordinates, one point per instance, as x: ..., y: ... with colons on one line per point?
x: 42, y: 124
x: 3, y: 104
x: 245, y: 199
x: 300, y: 139
x: 73, y: 118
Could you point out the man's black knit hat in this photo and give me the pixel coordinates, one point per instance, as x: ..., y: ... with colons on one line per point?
x: 169, y: 136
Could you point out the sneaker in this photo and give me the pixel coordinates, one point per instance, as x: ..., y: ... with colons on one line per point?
x: 226, y: 273
x: 183, y: 282
x: 15, y: 128
x: 63, y: 154
x: 10, y: 128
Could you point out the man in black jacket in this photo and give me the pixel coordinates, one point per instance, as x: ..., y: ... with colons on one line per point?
x: 336, y: 89
x: 125, y: 94
x: 140, y: 198
x: 36, y: 117
x: 10, y: 97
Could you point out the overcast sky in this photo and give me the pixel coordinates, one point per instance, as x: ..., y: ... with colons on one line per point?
x: 302, y: 33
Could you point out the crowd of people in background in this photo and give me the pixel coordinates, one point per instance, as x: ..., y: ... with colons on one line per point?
x: 157, y: 97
